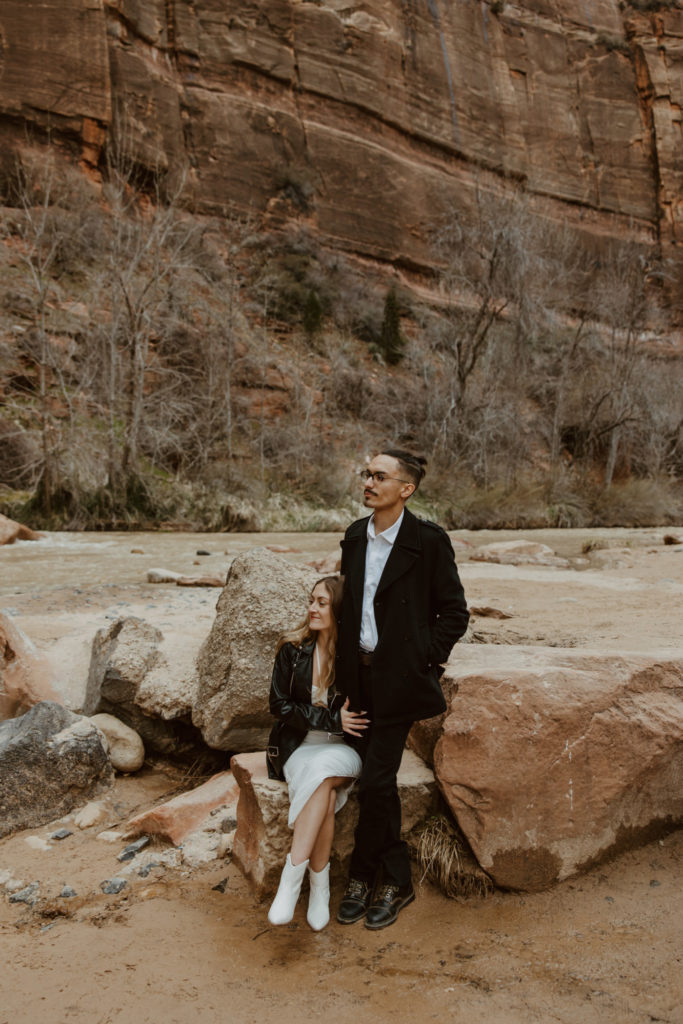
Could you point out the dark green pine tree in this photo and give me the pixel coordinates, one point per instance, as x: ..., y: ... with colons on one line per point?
x: 392, y: 341
x: 312, y: 315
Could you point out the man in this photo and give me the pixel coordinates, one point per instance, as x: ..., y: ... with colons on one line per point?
x: 403, y: 609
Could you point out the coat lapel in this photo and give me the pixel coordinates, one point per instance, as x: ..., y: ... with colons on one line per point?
x: 354, y: 567
x: 405, y: 550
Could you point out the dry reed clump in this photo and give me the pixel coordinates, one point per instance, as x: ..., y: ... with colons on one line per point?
x: 445, y: 859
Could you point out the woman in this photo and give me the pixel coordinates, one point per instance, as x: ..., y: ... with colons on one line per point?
x: 307, y: 748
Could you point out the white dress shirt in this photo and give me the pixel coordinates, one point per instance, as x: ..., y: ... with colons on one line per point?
x: 378, y: 551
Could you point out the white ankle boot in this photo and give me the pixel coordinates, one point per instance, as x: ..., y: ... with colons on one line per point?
x: 319, y: 898
x: 282, y: 908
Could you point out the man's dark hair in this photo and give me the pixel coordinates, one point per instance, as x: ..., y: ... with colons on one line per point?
x: 414, y: 466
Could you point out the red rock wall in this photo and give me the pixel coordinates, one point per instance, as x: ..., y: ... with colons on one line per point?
x: 366, y: 119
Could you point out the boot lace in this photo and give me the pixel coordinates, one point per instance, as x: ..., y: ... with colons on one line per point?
x: 356, y: 889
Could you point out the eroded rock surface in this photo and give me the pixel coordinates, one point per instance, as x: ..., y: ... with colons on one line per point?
x: 51, y: 761
x: 180, y: 817
x: 147, y: 681
x: 338, y: 115
x: 264, y: 596
x: 551, y: 760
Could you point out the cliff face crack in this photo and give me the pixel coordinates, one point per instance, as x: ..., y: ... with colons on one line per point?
x: 645, y: 92
x: 296, y: 86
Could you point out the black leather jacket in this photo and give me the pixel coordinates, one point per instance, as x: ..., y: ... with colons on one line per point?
x: 290, y: 704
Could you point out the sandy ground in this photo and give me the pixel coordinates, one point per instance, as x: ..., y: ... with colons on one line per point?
x: 171, y: 947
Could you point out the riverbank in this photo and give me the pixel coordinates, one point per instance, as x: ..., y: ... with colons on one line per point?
x: 191, y: 942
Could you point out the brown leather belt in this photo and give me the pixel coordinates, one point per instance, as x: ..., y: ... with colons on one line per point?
x: 365, y: 658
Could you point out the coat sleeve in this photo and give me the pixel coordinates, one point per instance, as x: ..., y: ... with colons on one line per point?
x: 300, y: 714
x: 448, y: 602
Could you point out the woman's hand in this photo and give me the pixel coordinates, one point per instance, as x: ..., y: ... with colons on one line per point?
x: 353, y: 722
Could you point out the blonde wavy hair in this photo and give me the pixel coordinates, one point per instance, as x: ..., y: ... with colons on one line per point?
x: 334, y: 585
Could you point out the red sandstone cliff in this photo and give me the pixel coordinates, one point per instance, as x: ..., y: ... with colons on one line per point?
x: 368, y: 118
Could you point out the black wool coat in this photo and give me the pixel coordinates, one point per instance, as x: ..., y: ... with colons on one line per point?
x: 420, y: 611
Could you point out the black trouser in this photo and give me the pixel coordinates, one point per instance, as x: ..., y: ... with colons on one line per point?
x: 378, y: 841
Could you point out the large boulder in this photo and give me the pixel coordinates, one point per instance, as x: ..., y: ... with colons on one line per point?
x: 147, y: 681
x: 10, y: 531
x: 26, y: 676
x: 518, y: 552
x: 263, y: 837
x: 51, y: 761
x: 264, y: 596
x: 553, y: 759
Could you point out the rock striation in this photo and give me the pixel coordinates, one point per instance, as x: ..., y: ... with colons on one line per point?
x: 335, y: 115
x: 552, y: 759
x: 51, y: 761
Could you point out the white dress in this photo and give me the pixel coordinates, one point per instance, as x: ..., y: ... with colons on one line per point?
x: 321, y: 756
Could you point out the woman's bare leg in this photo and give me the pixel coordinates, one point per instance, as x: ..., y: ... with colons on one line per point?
x: 313, y: 818
x: 320, y: 854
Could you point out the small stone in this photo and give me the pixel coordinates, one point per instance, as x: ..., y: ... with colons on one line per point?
x: 62, y: 833
x: 110, y: 836
x: 225, y: 844
x: 221, y: 887
x: 112, y: 886
x: 92, y: 814
x: 144, y: 871
x: 609, y: 899
x: 654, y: 883
x: 67, y: 892
x: 26, y: 895
x: 162, y: 576
x: 203, y: 552
x: 129, y: 851
x: 136, y: 551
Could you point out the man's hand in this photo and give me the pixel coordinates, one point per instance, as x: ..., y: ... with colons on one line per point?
x: 353, y: 722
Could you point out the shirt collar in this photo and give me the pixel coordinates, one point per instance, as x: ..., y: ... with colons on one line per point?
x: 390, y: 534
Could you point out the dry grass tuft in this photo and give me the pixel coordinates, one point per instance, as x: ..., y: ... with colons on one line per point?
x: 445, y: 859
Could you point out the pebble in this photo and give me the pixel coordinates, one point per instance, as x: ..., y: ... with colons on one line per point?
x: 203, y: 552
x: 112, y: 886
x: 62, y: 833
x: 221, y: 886
x: 110, y: 837
x: 67, y: 892
x: 129, y: 851
x: 27, y: 895
x: 93, y: 813
x: 143, y: 872
x: 654, y: 883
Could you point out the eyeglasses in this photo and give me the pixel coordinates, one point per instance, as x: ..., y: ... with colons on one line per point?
x: 379, y: 477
